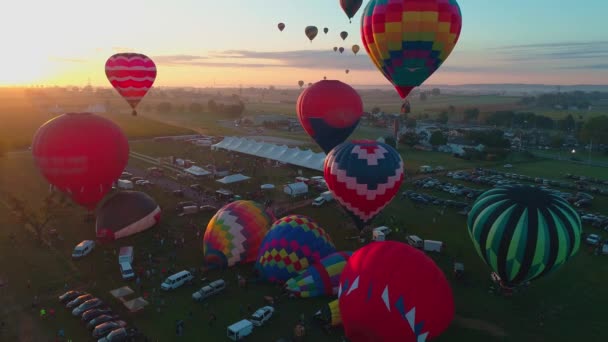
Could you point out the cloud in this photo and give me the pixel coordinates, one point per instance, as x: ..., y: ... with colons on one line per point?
x: 555, y: 51
x: 121, y: 49
x: 587, y: 67
x: 67, y: 60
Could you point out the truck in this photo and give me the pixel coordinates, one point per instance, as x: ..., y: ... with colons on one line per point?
x: 207, y: 291
x: 433, y: 246
x: 415, y: 241
x: 380, y: 233
x: 325, y: 197
x: 239, y: 330
x: 125, y: 254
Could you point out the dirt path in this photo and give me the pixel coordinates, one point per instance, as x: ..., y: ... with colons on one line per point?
x: 476, y: 324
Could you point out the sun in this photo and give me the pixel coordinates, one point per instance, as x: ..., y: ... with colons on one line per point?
x: 25, y: 68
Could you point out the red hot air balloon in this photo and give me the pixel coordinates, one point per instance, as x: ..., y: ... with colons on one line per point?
x: 329, y: 111
x: 401, y: 288
x: 81, y: 154
x: 281, y: 27
x: 132, y: 75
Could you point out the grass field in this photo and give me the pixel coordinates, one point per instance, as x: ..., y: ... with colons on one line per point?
x: 576, y: 294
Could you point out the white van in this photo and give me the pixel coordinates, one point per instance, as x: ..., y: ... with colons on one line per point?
x: 126, y: 271
x: 433, y: 246
x: 207, y: 291
x: 125, y: 254
x: 239, y: 330
x: 176, y: 280
x: 415, y: 241
x: 83, y: 249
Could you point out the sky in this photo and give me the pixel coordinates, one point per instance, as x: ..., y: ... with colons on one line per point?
x: 231, y: 43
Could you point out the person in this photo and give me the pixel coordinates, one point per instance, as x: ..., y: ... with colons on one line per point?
x: 42, y: 313
x: 61, y: 333
x: 52, y: 312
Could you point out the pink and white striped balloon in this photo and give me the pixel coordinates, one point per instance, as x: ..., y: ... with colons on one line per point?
x: 132, y: 75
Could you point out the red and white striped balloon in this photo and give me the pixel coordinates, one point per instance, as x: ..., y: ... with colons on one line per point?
x: 132, y: 75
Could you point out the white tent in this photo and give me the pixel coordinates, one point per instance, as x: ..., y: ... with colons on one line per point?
x: 267, y: 186
x: 233, y: 179
x: 197, y: 171
x: 295, y: 189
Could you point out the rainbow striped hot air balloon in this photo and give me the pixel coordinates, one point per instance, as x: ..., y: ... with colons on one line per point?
x: 292, y: 244
x: 320, y: 279
x: 523, y: 232
x: 235, y: 233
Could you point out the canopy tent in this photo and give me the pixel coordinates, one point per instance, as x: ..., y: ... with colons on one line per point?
x: 197, y: 171
x: 281, y: 153
x: 122, y: 292
x: 295, y: 189
x: 136, y: 304
x: 233, y: 179
x: 267, y: 186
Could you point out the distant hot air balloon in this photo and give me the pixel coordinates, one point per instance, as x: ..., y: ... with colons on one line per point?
x: 422, y: 36
x: 292, y: 244
x: 364, y: 176
x: 329, y: 112
x: 343, y: 35
x: 234, y: 234
x: 341, y: 49
x: 309, y: 84
x: 281, y: 26
x: 132, y: 75
x: 347, y: 71
x: 301, y: 83
x: 326, y: 30
x: 335, y: 48
x: 350, y: 7
x: 81, y: 154
x: 311, y: 32
x: 320, y: 279
x: 524, y: 232
x: 125, y: 213
x: 399, y: 286
x: 356, y: 49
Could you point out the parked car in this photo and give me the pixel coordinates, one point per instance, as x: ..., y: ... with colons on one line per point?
x: 261, y: 315
x: 120, y: 335
x: 593, y: 239
x: 176, y: 280
x: 69, y: 296
x: 88, y: 305
x: 106, y: 328
x: 83, y: 249
x: 126, y: 271
x: 91, y: 314
x: 207, y: 291
x: 79, y: 300
x: 101, y: 319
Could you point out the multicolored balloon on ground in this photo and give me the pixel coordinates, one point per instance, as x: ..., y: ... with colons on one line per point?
x: 364, y: 176
x: 292, y: 244
x: 523, y: 232
x: 329, y: 112
x: 311, y: 32
x: 81, y: 154
x: 350, y: 7
x: 281, y: 26
x: 235, y: 233
x: 132, y: 75
x: 398, y: 286
x: 125, y: 213
x: 320, y: 279
x: 408, y: 40
x: 330, y: 313
x: 343, y: 35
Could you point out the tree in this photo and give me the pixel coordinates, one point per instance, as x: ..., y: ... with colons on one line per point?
x: 164, y: 107
x: 438, y: 139
x: 376, y: 110
x: 390, y: 140
x: 409, y: 138
x: 436, y: 92
x: 443, y: 118
x: 595, y: 130
x: 557, y: 140
x: 451, y: 110
x: 423, y: 96
x: 212, y: 106
x: 567, y: 124
x: 196, y: 107
x: 471, y: 114
x: 410, y: 123
x: 40, y: 219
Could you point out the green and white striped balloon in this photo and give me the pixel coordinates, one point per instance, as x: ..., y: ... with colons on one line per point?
x: 523, y: 232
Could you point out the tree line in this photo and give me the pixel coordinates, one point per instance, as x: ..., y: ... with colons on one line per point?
x: 233, y: 109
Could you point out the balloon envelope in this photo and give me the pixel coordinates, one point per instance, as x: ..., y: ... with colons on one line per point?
x: 329, y: 112
x: 326, y: 30
x: 301, y: 83
x: 132, y: 75
x: 81, y: 154
x: 335, y: 48
x: 235, y: 233
x: 311, y: 32
x: 523, y: 232
x: 125, y: 213
x: 320, y: 279
x: 343, y: 35
x: 364, y: 176
x: 399, y: 286
x: 422, y: 36
x: 350, y: 7
x: 356, y: 49
x: 341, y: 49
x: 292, y: 244
x: 281, y: 27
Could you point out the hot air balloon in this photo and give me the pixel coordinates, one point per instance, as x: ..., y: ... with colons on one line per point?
x: 292, y: 244
x: 343, y: 35
x: 335, y: 48
x: 301, y: 83
x: 125, y: 213
x: 329, y: 112
x: 421, y: 37
x: 330, y: 313
x: 132, y: 75
x: 311, y: 32
x: 347, y: 71
x: 326, y: 30
x: 235, y: 233
x: 364, y: 176
x: 281, y: 26
x: 350, y: 7
x: 341, y: 49
x: 320, y: 279
x: 523, y: 232
x: 356, y: 49
x: 399, y: 286
x: 309, y: 84
x: 81, y: 154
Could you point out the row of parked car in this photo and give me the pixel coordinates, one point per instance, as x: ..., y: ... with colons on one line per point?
x: 432, y: 200
x: 105, y: 325
x: 453, y: 189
